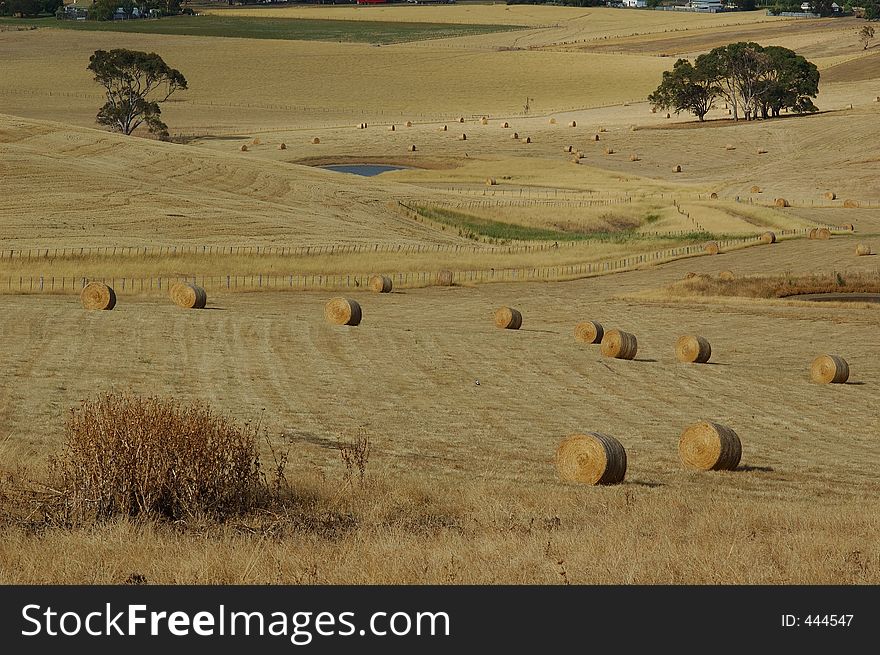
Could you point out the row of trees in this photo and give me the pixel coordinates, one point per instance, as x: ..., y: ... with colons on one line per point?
x: 755, y: 81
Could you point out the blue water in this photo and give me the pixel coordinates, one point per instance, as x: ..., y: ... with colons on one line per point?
x: 367, y: 170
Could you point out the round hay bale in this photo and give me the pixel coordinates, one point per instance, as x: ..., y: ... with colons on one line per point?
x: 568, y: 149
x: 412, y: 148
x: 812, y: 233
x: 444, y: 278
x: 877, y: 99
x: 96, y: 295
x: 851, y: 204
x: 445, y: 128
x: 713, y: 196
x: 668, y: 115
x: 461, y: 119
x: 573, y: 124
x: 727, y: 276
x: 380, y: 283
x: 609, y: 151
x: 463, y: 137
x: 761, y: 151
x: 491, y: 181
x: 619, y: 344
x: 508, y: 318
x: 693, y: 349
x: 634, y: 157
x: 256, y: 142
x: 710, y: 446
x: 409, y: 123
x: 781, y: 202
x: 484, y: 121
x: 244, y: 147
x: 188, y: 296
x: 830, y: 195
x: 823, y: 233
x: 316, y: 141
x: 392, y: 129
x: 505, y: 125
x: 755, y: 189
x: 595, y: 137
x: 528, y: 139
x: 712, y: 248
x: 676, y: 169
x: 552, y: 121
x: 343, y: 311
x: 516, y: 135
x: 768, y: 237
x: 589, y: 332
x: 591, y: 458
x: 602, y: 129
x: 829, y: 369
x: 282, y: 146
x: 862, y: 250
x: 730, y: 146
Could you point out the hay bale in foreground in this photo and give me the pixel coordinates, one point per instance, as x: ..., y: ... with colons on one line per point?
x: 676, y: 169
x: 829, y: 369
x: 781, y: 202
x: 380, y: 284
x: 727, y: 276
x: 589, y: 332
x: 508, y: 318
x: 768, y: 237
x: 591, y: 458
x: 851, y: 204
x: 830, y: 195
x: 188, y: 296
x: 619, y: 344
x: 96, y: 295
x: 444, y: 278
x: 862, y: 250
x: 823, y: 233
x: 712, y: 248
x: 343, y: 311
x: 693, y: 349
x: 710, y: 446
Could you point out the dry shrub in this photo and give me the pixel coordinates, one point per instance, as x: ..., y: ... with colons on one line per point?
x: 676, y: 169
x: 710, y: 447
x: 380, y: 284
x: 781, y: 202
x: 444, y: 278
x: 619, y: 344
x: 851, y: 204
x: 355, y: 455
x: 188, y: 296
x: 712, y: 248
x: 830, y: 195
x: 778, y: 287
x: 96, y: 295
x: 591, y: 458
x: 589, y: 332
x: 829, y: 369
x: 508, y: 318
x: 343, y: 311
x: 862, y: 250
x: 693, y: 349
x: 768, y: 237
x: 153, y: 457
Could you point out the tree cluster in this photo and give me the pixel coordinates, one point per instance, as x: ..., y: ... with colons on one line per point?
x: 754, y: 80
x: 28, y: 8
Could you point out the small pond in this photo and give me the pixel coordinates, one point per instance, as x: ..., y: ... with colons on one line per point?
x: 367, y: 170
x: 837, y: 297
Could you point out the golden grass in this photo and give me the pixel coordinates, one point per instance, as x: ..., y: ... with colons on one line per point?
x: 777, y: 286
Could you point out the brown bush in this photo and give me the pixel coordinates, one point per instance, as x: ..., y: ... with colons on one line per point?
x: 153, y: 457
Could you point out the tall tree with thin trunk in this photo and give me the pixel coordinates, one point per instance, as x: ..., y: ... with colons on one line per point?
x: 866, y: 35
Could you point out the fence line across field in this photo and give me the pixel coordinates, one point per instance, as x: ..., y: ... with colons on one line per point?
x: 255, y: 282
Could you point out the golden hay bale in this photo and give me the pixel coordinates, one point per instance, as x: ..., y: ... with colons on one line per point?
x: 609, y: 151
x: 282, y: 146
x: 244, y: 147
x: 528, y: 139
x: 412, y: 148
x: 602, y: 129
x: 781, y: 202
x: 463, y: 137
x: 829, y: 369
x: 634, y: 157
x: 693, y: 349
x: 862, y: 250
x: 444, y: 278
x: 823, y: 233
x: 619, y: 344
x: 730, y: 146
x: 392, y: 129
x: 830, y: 195
x: 589, y: 332
x: 676, y: 169
x: 256, y: 142
x: 668, y: 115
x: 877, y: 99
x: 755, y: 189
x: 516, y: 135
x: 713, y: 196
x: 851, y: 204
x: 491, y: 181
x: 409, y: 123
x: 505, y: 125
x: 595, y: 137
x: 727, y: 276
x: 768, y: 237
x: 96, y: 295
x: 710, y: 446
x: 316, y: 141
x: 591, y: 458
x: 568, y: 149
x: 712, y: 248
x: 343, y: 311
x: 812, y: 233
x: 461, y: 119
x: 380, y: 283
x: 188, y: 296
x: 508, y: 318
x: 484, y: 121
x: 761, y: 151
x: 445, y: 128
x: 573, y: 124
x: 552, y: 121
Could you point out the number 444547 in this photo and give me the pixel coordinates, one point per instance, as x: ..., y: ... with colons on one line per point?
x: 831, y: 620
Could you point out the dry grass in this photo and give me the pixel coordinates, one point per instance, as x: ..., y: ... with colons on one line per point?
x: 777, y: 286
